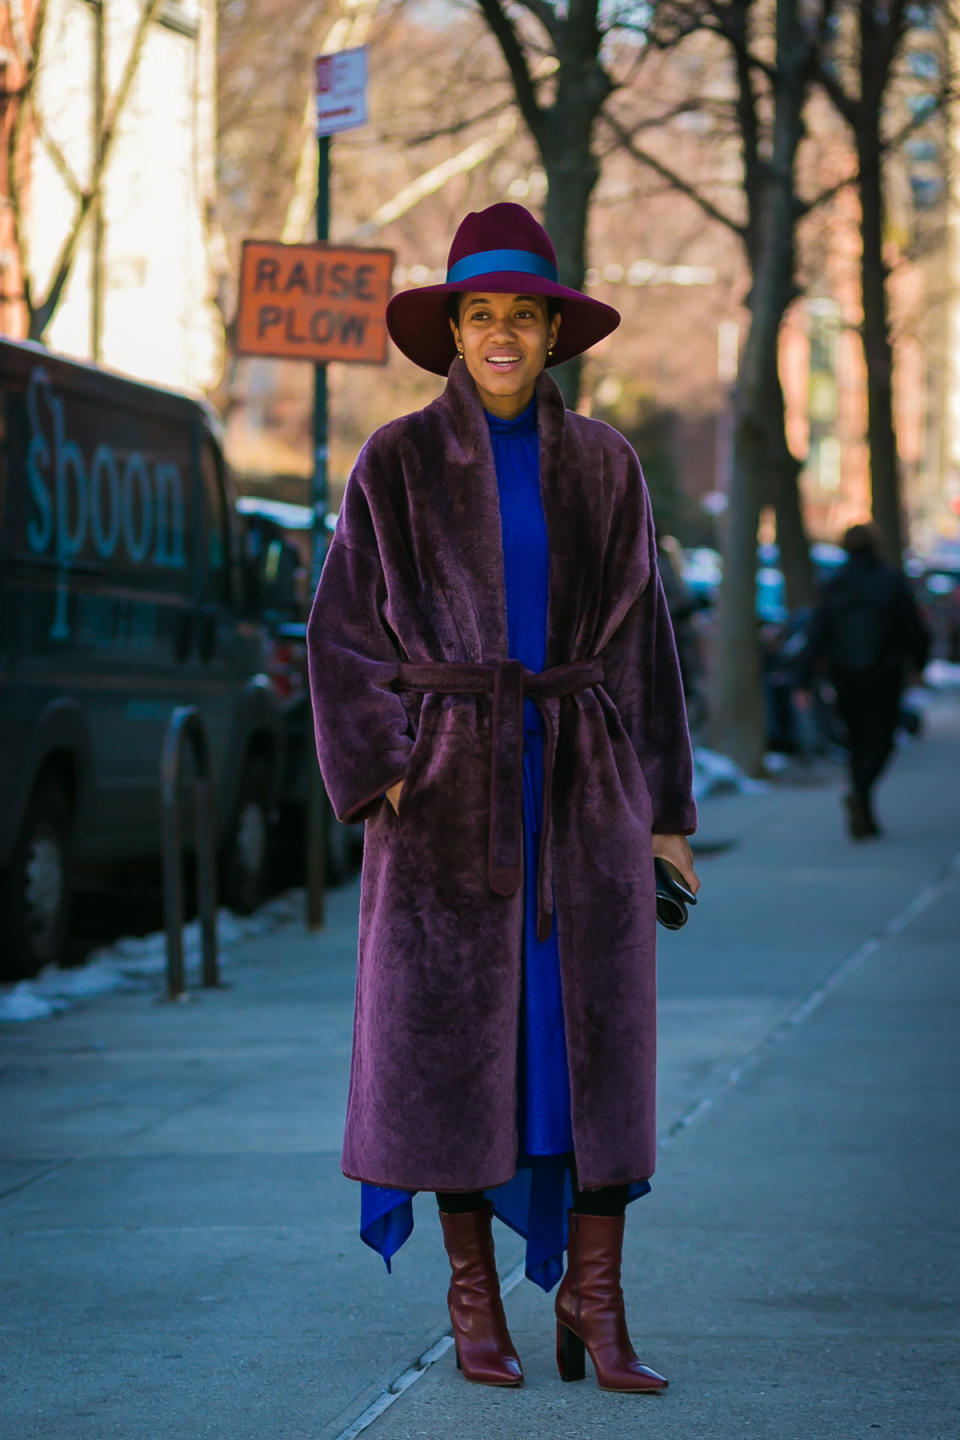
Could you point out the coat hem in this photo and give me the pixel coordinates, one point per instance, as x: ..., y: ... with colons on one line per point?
x: 428, y: 1184
x: 484, y: 1184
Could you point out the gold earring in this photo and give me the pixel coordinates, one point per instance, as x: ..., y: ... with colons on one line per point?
x: 460, y: 352
x: 550, y: 349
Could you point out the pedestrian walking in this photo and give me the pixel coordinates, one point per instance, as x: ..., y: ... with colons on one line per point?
x: 868, y: 635
x: 682, y: 606
x: 496, y: 692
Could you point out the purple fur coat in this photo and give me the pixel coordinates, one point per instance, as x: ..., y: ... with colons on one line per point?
x: 414, y: 576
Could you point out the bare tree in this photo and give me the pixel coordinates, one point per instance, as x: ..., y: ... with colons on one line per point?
x: 738, y: 718
x: 858, y: 78
x: 561, y: 114
x: 774, y: 50
x: 87, y: 192
x: 773, y: 77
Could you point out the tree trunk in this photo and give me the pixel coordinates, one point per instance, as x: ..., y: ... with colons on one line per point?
x: 877, y: 349
x: 737, y: 720
x: 795, y: 562
x: 572, y: 173
x: 792, y: 536
x: 737, y: 724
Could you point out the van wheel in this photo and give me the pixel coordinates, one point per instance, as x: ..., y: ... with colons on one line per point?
x: 246, y: 853
x: 36, y: 888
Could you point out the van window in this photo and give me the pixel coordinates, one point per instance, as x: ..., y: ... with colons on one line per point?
x: 216, y: 526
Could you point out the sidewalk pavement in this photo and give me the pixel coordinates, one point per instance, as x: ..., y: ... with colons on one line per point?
x: 180, y: 1253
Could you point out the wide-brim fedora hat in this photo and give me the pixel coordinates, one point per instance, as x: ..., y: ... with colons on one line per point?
x: 506, y: 251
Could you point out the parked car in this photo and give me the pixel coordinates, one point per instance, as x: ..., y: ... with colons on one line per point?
x: 938, y: 592
x: 279, y: 549
x: 122, y: 597
x: 703, y: 574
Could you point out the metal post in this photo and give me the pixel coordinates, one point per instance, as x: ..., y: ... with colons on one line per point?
x: 186, y: 728
x: 206, y: 848
x: 317, y: 802
x: 172, y: 873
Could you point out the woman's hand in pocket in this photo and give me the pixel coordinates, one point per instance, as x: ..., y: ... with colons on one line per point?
x: 393, y: 795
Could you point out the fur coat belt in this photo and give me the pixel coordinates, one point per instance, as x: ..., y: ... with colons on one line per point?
x: 510, y: 683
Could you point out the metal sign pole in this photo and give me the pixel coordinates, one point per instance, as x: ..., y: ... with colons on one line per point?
x: 320, y: 431
x: 317, y: 802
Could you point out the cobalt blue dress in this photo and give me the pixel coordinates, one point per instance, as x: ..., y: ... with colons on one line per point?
x: 535, y: 1202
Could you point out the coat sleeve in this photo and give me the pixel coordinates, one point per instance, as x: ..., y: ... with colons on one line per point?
x: 361, y: 724
x: 642, y: 678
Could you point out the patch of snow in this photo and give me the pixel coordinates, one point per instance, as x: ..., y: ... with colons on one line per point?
x: 775, y: 763
x: 131, y: 962
x: 713, y: 773
x: 21, y: 1002
x: 919, y: 697
x: 942, y: 674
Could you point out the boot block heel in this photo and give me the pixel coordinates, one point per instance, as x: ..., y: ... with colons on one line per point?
x: 570, y: 1354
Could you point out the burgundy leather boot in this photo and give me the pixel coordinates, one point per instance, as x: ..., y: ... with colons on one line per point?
x: 485, y: 1351
x: 589, y: 1309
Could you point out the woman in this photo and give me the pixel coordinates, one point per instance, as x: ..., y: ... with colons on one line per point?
x: 496, y: 692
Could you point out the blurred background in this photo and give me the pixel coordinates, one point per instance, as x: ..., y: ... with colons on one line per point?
x: 768, y: 192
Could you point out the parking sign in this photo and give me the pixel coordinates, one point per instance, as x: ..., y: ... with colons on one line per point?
x: 340, y: 88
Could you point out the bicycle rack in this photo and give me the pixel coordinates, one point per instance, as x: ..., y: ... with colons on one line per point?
x: 186, y: 728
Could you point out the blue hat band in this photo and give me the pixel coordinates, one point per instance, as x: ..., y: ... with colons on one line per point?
x: 489, y: 262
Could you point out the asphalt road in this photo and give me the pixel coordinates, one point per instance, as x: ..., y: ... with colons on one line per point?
x: 179, y: 1252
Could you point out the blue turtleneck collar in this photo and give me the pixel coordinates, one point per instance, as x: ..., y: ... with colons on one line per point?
x: 520, y: 425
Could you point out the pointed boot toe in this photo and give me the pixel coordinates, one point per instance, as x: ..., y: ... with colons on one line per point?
x: 635, y: 1379
x: 485, y: 1352
x: 489, y: 1367
x: 590, y: 1315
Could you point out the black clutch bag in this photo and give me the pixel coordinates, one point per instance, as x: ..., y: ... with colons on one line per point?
x: 673, y: 895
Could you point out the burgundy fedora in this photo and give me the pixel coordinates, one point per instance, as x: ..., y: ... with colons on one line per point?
x: 502, y: 249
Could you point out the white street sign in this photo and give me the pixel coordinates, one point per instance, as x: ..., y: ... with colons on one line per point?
x: 340, y: 88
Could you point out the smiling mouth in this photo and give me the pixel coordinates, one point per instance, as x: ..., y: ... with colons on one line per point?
x: 503, y: 362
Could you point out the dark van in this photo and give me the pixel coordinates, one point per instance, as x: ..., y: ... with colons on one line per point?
x: 122, y: 596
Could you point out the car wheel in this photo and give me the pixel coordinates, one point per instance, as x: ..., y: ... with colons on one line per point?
x: 36, y: 888
x: 246, y: 851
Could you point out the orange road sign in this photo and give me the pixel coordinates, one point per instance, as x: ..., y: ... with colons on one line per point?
x: 313, y: 302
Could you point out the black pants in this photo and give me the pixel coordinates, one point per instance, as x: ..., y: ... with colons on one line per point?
x: 611, y: 1200
x: 870, y: 714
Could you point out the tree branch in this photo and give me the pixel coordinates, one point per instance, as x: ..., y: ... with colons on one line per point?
x: 14, y: 137
x: 673, y: 179
x: 805, y: 206
x: 60, y: 162
x: 41, y: 316
x: 457, y: 127
x: 506, y: 36
x: 544, y: 13
x: 880, y: 39
x: 731, y: 23
x: 847, y: 105
x: 20, y: 32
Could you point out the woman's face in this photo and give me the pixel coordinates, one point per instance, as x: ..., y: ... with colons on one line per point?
x: 504, y: 341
